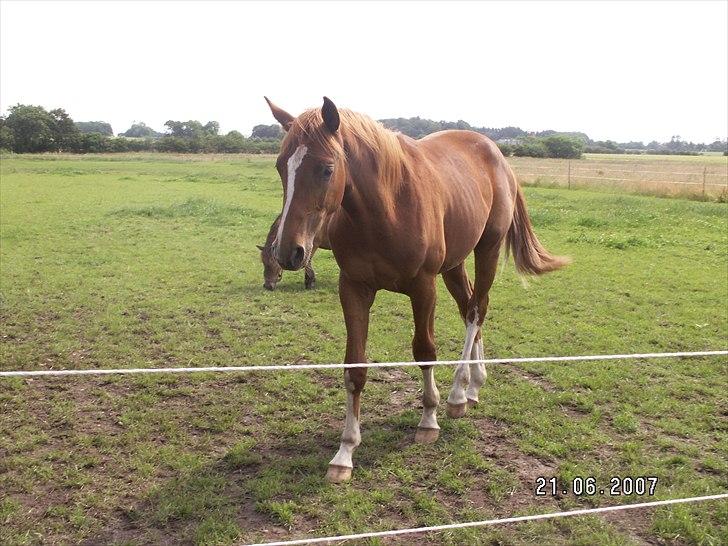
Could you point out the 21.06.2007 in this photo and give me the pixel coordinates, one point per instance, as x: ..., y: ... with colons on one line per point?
x: 587, y: 486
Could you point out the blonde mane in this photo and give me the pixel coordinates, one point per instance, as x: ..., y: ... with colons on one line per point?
x: 361, y: 137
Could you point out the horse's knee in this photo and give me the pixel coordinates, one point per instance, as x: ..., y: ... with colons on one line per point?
x: 355, y: 379
x: 477, y: 308
x: 423, y: 349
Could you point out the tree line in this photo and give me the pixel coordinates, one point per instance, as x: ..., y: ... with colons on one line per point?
x: 550, y: 143
x: 32, y: 129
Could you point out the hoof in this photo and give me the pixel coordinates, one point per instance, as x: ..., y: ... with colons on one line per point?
x: 310, y: 286
x: 456, y: 410
x: 472, y: 403
x: 338, y: 474
x: 427, y: 435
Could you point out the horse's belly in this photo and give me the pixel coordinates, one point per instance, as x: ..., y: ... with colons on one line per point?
x: 460, y: 244
x: 463, y: 226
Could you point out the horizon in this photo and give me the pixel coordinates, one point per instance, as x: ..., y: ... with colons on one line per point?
x: 570, y: 77
x: 529, y: 132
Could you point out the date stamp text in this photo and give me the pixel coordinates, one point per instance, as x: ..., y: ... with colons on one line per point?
x: 618, y: 486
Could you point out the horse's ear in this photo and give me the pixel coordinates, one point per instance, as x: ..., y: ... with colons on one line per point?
x: 282, y: 117
x: 261, y: 248
x: 331, y: 115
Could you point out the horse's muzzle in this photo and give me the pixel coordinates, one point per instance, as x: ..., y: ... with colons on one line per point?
x: 294, y: 261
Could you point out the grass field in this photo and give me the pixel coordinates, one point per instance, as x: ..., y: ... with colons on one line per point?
x: 139, y: 261
x: 677, y: 176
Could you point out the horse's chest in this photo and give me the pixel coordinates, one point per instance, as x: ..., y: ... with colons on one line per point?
x: 382, y: 262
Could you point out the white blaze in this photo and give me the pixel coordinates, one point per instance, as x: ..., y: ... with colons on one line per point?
x: 293, y: 163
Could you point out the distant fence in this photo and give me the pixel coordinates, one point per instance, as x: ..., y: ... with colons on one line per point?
x: 702, y: 180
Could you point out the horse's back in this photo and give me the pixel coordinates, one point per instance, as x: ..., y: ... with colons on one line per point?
x: 476, y: 186
x: 465, y: 160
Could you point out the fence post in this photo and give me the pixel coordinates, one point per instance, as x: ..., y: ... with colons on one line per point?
x: 569, y: 174
x: 705, y: 172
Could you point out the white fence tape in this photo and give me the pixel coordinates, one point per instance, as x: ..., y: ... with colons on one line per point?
x: 516, y: 519
x: 296, y: 367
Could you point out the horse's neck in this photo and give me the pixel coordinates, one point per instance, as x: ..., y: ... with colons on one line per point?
x: 365, y: 193
x: 273, y: 231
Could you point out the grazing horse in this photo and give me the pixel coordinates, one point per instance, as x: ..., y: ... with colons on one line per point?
x: 401, y: 212
x: 272, y: 271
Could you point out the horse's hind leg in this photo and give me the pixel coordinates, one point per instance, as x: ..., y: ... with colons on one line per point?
x: 486, y: 266
x: 423, y: 297
x: 477, y: 372
x: 461, y: 289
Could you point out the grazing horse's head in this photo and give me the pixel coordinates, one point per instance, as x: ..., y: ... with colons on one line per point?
x: 272, y: 272
x: 311, y: 167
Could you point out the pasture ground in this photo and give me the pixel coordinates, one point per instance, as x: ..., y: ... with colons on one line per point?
x: 676, y: 175
x: 138, y: 261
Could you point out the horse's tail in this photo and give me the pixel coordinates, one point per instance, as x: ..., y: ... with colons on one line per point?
x: 528, y: 253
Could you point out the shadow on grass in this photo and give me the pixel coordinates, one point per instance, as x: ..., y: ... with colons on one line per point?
x: 264, y: 491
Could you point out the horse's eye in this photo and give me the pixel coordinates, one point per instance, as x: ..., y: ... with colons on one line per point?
x: 327, y: 171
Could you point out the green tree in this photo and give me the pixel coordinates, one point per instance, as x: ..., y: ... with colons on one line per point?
x: 505, y: 148
x: 267, y: 131
x: 64, y: 131
x: 211, y: 127
x: 93, y: 143
x: 531, y: 147
x: 7, y: 139
x: 100, y: 127
x: 140, y: 130
x: 186, y: 129
x: 32, y: 128
x: 233, y: 142
x: 565, y: 147
x: 716, y: 146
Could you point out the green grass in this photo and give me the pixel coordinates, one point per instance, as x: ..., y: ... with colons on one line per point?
x: 150, y: 260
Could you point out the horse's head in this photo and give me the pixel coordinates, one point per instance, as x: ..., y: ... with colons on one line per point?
x: 272, y: 272
x: 312, y: 169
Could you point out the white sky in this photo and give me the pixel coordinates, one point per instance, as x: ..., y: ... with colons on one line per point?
x: 614, y: 70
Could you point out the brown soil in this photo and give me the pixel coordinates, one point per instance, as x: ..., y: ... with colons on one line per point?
x: 131, y: 517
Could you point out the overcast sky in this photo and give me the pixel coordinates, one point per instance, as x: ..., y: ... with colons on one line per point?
x: 615, y: 70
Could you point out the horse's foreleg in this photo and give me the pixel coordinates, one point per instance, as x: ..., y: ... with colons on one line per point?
x: 310, y: 275
x: 428, y: 431
x: 423, y: 298
x: 356, y: 300
x: 341, y: 465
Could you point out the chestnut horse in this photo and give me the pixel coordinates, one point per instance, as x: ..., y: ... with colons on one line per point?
x: 401, y: 212
x: 272, y: 271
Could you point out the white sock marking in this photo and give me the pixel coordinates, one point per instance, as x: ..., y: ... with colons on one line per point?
x: 462, y: 372
x: 429, y: 396
x: 293, y: 163
x: 477, y: 372
x: 351, y: 437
